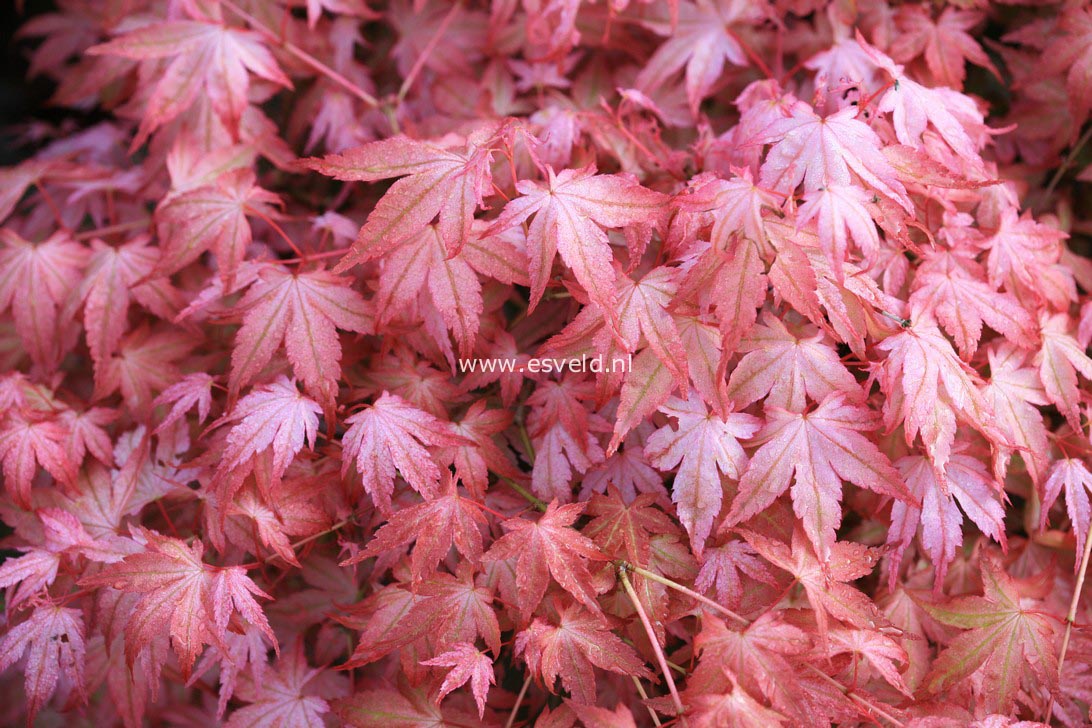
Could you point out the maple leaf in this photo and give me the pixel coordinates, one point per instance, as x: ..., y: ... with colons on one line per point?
x: 839, y: 214
x: 927, y: 384
x: 733, y: 280
x: 570, y: 213
x: 179, y: 592
x: 824, y: 578
x: 205, y: 56
x: 392, y: 434
x: 27, y: 439
x: 760, y: 657
x: 445, y: 179
x: 724, y: 567
x: 423, y: 264
x: 703, y: 447
x: 144, y: 363
x: 561, y: 429
x: 1009, y: 641
x: 734, y: 709
x: 435, y: 525
x: 549, y: 548
x: 1059, y: 360
x: 815, y: 451
x: 468, y: 664
x: 1014, y: 392
x: 965, y: 484
x: 303, y: 311
x: 951, y: 287
x: 35, y: 280
x: 273, y: 417
x: 52, y: 640
x: 945, y: 42
x: 408, y: 708
x: 288, y: 694
x: 571, y: 648
x: 1072, y: 476
x: 701, y: 39
x: 111, y: 282
x: 784, y: 363
x: 625, y: 531
x: 825, y: 151
x: 193, y: 390
x: 212, y: 217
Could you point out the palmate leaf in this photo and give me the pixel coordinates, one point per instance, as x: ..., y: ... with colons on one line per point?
x: 1009, y: 641
x: 571, y: 212
x: 302, y: 312
x: 448, y: 180
x: 815, y: 451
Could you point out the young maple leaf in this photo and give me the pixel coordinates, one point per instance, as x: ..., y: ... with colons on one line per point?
x: 625, y: 531
x: 825, y: 578
x: 35, y: 280
x: 965, y: 484
x: 445, y: 179
x: 193, y: 390
x: 468, y: 663
x: 291, y: 693
x: 562, y: 430
x: 571, y: 648
x: 1009, y: 642
x: 423, y: 264
x: 392, y: 434
x: 951, y: 287
x: 435, y: 525
x: 274, y: 416
x: 1059, y: 360
x: 786, y: 362
x: 410, y: 708
x: 474, y: 462
x: 208, y: 57
x: 1072, y: 476
x: 111, y: 282
x: 724, y: 567
x: 1023, y: 256
x: 928, y: 387
x: 704, y: 446
x: 145, y: 362
x: 701, y: 38
x: 732, y: 709
x: 822, y: 447
x: 760, y: 657
x: 304, y: 312
x: 549, y: 547
x: 824, y: 151
x: 53, y: 641
x: 571, y: 212
x: 212, y: 217
x: 180, y: 595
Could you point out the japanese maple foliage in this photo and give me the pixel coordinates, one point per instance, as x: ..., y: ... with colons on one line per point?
x: 549, y: 362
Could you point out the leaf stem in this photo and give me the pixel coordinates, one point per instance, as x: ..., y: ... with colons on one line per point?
x: 527, y: 495
x: 1066, y: 163
x: 656, y: 649
x: 407, y: 84
x: 519, y: 700
x: 863, y: 702
x: 1071, y: 618
x: 294, y: 50
x: 688, y: 592
x: 644, y: 696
